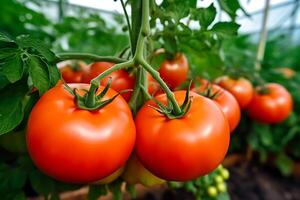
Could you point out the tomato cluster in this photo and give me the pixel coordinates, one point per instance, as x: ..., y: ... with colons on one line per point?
x: 83, y: 146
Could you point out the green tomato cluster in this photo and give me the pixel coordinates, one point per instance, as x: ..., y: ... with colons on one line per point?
x: 210, y: 186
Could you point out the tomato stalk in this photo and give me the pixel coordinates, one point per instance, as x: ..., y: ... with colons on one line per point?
x: 87, y: 56
x: 137, y: 47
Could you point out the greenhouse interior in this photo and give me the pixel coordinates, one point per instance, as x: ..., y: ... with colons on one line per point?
x: 206, y: 92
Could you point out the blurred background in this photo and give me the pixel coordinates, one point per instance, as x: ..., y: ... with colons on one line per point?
x: 98, y: 26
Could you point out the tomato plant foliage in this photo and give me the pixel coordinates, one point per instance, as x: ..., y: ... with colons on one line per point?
x: 25, y: 64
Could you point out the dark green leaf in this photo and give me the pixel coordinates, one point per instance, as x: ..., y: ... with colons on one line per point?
x: 225, y: 29
x: 230, y: 7
x: 5, y: 38
x: 205, y: 16
x: 41, y: 183
x: 11, y: 110
x: 8, y: 52
x: 3, y: 81
x: 17, y: 178
x: 284, y: 164
x: 177, y: 9
x: 54, y: 74
x: 130, y: 188
x: 44, y: 50
x: 115, y: 188
x: 12, y: 68
x: 39, y: 74
x: 96, y: 191
x: 20, y: 196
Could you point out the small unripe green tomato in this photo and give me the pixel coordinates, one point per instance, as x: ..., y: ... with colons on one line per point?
x: 219, y: 179
x: 221, y: 187
x: 212, y: 191
x: 225, y: 174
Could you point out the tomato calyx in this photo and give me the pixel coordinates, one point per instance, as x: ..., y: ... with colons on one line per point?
x: 208, y: 91
x: 168, y: 110
x: 91, y: 101
x: 262, y: 90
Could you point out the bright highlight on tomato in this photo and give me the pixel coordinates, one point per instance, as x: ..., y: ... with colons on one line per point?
x: 121, y: 80
x: 185, y: 148
x: 271, y: 106
x: 75, y: 145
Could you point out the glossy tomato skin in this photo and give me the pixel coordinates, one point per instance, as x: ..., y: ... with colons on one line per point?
x: 273, y: 107
x: 174, y: 72
x: 185, y: 148
x: 241, y: 89
x: 121, y: 80
x: 76, y: 145
x: 226, y: 101
x: 71, y: 76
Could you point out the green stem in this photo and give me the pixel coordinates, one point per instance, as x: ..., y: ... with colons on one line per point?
x: 136, y: 16
x: 263, y: 38
x: 90, y: 100
x: 164, y: 86
x: 87, y: 56
x: 97, y: 79
x: 136, y: 92
x: 127, y: 21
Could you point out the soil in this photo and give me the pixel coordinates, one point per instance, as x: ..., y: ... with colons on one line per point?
x: 251, y: 182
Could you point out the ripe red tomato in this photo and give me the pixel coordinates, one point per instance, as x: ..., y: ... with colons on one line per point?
x: 226, y: 101
x: 240, y: 88
x: 121, y: 80
x: 286, y: 72
x: 271, y: 107
x: 73, y: 74
x: 185, y: 148
x: 174, y: 72
x: 76, y: 145
x: 153, y: 86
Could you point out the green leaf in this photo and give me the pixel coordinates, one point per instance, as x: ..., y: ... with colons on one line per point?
x: 28, y: 42
x: 20, y: 196
x: 54, y: 74
x: 41, y: 183
x: 115, y: 188
x: 177, y: 9
x: 3, y: 81
x: 12, y: 68
x: 17, y: 178
x: 225, y: 29
x: 5, y: 38
x: 130, y: 188
x: 230, y: 7
x: 39, y: 74
x: 11, y: 110
x: 96, y: 191
x: 284, y: 164
x: 8, y: 52
x: 170, y: 45
x: 205, y: 16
